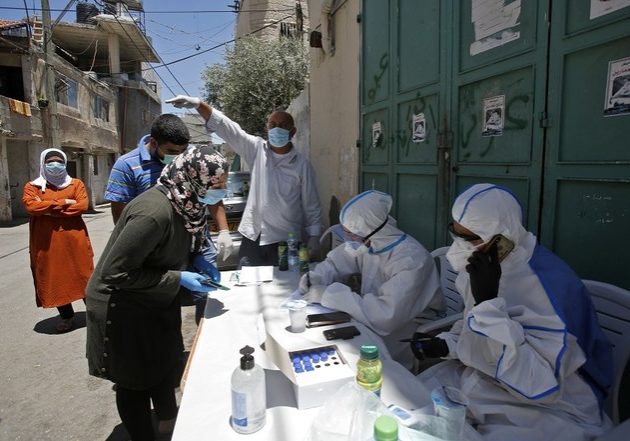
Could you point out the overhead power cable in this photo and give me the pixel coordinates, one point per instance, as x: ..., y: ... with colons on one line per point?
x: 222, y: 44
x: 207, y: 11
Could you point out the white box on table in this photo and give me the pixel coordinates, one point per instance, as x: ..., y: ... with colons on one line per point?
x: 312, y: 388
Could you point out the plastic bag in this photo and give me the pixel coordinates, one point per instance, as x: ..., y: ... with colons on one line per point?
x: 344, y: 414
x: 349, y: 415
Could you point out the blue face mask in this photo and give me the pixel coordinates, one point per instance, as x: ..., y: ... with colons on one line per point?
x: 213, y: 196
x: 55, y: 168
x: 278, y: 137
x: 167, y: 159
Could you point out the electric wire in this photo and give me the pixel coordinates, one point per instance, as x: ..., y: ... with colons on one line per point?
x: 207, y: 11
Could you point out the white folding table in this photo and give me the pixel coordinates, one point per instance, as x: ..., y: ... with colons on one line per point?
x: 236, y: 318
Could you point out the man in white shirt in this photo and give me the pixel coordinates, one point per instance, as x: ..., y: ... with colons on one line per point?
x: 283, y: 194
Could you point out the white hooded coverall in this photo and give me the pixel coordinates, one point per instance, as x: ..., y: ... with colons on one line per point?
x: 533, y: 362
x: 399, y: 280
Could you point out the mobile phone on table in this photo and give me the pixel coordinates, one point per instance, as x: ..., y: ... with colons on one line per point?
x: 504, y: 246
x: 214, y: 284
x: 328, y: 318
x: 345, y: 333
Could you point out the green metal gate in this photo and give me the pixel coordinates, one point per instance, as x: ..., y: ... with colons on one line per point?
x: 459, y: 92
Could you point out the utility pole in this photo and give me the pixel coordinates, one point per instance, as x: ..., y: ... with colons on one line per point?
x: 49, y: 72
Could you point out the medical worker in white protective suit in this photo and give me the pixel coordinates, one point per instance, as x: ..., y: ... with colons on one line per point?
x: 529, y: 353
x: 399, y: 280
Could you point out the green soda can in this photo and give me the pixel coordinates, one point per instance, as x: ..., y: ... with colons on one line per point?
x: 283, y: 256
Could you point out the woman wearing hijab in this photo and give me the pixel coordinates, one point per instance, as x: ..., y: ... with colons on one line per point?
x: 134, y: 319
x: 59, y: 245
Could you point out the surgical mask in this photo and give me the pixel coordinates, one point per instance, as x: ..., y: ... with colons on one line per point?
x: 167, y: 159
x: 278, y: 137
x: 212, y: 196
x: 354, y: 248
x: 459, y: 253
x: 55, y: 168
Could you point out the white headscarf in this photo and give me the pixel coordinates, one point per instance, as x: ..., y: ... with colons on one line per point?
x: 365, y: 213
x: 60, y: 181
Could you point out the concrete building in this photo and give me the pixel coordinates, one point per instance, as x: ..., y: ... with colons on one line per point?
x: 270, y: 19
x: 334, y: 101
x: 94, y: 100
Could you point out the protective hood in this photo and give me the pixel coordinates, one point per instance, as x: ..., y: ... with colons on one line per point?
x: 59, y: 181
x: 368, y: 212
x: 487, y: 210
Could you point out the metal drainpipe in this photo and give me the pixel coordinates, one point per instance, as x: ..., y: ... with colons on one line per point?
x: 124, y: 123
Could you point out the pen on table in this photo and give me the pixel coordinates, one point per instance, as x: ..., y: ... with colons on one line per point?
x: 409, y: 340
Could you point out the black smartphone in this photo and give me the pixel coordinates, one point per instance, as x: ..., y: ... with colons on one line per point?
x: 214, y: 284
x: 328, y: 318
x: 345, y: 333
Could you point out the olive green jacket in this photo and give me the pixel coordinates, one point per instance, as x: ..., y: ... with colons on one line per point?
x: 132, y: 299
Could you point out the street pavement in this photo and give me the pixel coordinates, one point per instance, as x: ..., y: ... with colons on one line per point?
x: 45, y: 390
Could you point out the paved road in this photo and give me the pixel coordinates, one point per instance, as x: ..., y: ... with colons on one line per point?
x: 45, y: 391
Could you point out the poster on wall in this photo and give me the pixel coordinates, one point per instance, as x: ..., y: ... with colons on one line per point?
x: 377, y: 131
x: 603, y: 7
x: 618, y: 88
x: 495, y: 22
x: 419, y: 128
x: 493, y: 116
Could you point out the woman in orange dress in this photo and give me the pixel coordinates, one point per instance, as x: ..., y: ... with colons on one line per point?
x: 60, y: 248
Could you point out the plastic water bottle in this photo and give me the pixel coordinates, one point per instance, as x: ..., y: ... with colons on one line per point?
x: 370, y: 369
x: 249, y: 400
x: 385, y: 429
x: 294, y: 260
x: 303, y: 257
x: 283, y: 256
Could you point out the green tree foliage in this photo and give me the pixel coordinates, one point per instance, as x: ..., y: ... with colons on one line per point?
x: 258, y: 77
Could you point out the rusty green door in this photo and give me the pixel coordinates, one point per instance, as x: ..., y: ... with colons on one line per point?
x: 404, y: 96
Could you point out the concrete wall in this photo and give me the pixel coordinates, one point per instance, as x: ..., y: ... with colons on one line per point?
x: 247, y: 22
x: 23, y: 165
x: 5, y: 195
x: 139, y: 112
x: 334, y: 104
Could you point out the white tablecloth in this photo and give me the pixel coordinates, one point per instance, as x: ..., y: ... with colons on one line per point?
x: 232, y: 320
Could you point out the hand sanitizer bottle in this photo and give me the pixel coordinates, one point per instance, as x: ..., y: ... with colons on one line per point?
x: 249, y: 400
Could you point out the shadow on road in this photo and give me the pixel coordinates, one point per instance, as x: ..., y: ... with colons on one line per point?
x: 14, y: 223
x: 118, y: 434
x: 48, y: 326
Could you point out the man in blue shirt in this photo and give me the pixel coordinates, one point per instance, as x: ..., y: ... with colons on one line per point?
x: 137, y: 171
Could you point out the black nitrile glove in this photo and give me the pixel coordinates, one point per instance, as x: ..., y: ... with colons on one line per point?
x: 424, y: 346
x: 485, y: 271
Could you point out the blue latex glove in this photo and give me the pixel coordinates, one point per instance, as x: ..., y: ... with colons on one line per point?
x: 192, y: 281
x: 209, y: 269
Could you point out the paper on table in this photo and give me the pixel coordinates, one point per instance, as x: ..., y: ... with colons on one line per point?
x: 255, y: 274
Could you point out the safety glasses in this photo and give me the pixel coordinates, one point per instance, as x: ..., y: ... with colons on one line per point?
x: 456, y: 235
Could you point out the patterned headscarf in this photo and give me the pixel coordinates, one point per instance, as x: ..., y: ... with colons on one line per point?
x: 191, y: 174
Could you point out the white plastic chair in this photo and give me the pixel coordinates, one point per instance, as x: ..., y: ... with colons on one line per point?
x: 612, y: 305
x: 454, y: 301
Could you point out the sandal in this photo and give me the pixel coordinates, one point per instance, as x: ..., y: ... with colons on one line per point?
x: 65, y: 325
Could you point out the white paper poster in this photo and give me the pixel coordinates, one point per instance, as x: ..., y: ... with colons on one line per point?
x: 603, y: 7
x: 496, y: 22
x: 377, y: 131
x: 618, y: 88
x: 493, y: 116
x: 419, y: 128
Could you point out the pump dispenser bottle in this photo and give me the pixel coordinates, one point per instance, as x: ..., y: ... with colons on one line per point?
x: 249, y: 400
